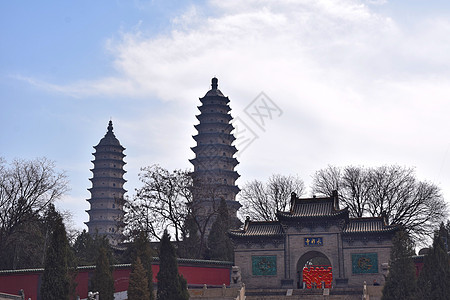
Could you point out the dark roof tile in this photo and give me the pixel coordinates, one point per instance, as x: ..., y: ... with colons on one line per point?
x: 368, y: 225
x: 313, y: 208
x: 259, y: 229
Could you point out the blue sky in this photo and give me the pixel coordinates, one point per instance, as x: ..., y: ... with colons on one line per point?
x: 355, y: 83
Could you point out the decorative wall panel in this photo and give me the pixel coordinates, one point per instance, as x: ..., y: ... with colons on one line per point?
x: 363, y: 263
x: 264, y: 265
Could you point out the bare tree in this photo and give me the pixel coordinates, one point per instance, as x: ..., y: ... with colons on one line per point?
x: 352, y: 183
x: 165, y: 201
x: 26, y: 189
x: 262, y: 200
x: 161, y: 203
x: 203, y: 211
x: 391, y: 190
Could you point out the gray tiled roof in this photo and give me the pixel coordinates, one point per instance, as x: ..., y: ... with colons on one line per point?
x: 313, y: 208
x: 259, y: 229
x: 368, y: 225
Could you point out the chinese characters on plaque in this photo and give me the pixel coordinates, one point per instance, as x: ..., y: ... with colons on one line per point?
x: 313, y: 241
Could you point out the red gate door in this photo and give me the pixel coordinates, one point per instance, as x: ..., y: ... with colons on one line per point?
x: 315, y: 276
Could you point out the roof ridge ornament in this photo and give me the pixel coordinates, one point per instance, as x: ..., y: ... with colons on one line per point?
x: 384, y: 218
x: 293, y: 197
x: 335, y: 196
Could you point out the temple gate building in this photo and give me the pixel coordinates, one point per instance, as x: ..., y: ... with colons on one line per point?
x: 314, y: 244
x: 107, y: 192
x: 214, y: 176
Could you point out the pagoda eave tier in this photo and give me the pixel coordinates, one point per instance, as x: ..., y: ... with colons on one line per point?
x: 107, y: 188
x: 234, y: 204
x: 119, y: 163
x: 204, y: 148
x: 109, y: 169
x: 216, y: 127
x: 218, y: 187
x: 214, y: 115
x: 105, y: 200
x: 105, y: 210
x: 109, y: 145
x: 205, y: 189
x: 117, y: 235
x: 100, y: 157
x: 100, y: 222
x: 198, y: 161
x: 215, y: 172
x: 213, y: 108
x: 205, y: 136
x: 104, y: 178
x: 214, y: 95
x: 103, y: 152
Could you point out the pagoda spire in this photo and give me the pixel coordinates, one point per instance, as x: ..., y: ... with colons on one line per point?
x: 214, y: 84
x: 110, y: 127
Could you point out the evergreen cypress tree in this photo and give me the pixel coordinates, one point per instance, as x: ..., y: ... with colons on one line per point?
x: 171, y: 286
x: 219, y: 243
x: 434, y: 279
x: 103, y: 281
x: 184, y: 293
x: 73, y: 273
x: 401, y: 280
x: 141, y: 249
x: 137, y: 288
x: 85, y: 249
x: 55, y: 280
x: 189, y: 248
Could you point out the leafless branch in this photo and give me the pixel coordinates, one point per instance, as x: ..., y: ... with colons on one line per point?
x: 261, y: 201
x: 392, y: 190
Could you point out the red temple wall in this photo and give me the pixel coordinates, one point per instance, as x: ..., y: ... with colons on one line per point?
x: 13, y: 283
x: 29, y: 281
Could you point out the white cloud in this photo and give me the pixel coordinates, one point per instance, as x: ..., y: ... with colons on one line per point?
x: 293, y: 38
x: 356, y: 86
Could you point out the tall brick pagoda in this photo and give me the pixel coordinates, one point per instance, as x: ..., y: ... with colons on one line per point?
x: 107, y: 192
x: 214, y: 176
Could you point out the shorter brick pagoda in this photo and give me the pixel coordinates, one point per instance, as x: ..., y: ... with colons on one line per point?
x: 107, y: 192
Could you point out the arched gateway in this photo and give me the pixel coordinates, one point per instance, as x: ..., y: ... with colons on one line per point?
x: 314, y: 270
x: 314, y: 242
